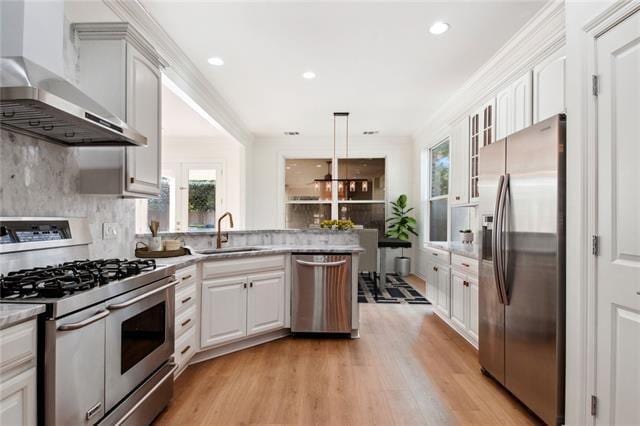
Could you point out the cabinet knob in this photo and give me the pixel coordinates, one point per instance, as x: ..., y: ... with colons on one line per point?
x: 251, y: 284
x: 244, y: 285
x: 435, y: 269
x: 457, y: 197
x: 132, y: 180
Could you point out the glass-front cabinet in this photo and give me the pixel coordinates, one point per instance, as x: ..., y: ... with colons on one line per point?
x: 481, y: 133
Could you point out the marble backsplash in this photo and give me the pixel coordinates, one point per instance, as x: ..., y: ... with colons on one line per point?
x: 39, y: 178
x: 275, y: 237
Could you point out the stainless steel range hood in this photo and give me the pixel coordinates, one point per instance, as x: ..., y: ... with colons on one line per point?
x: 37, y: 102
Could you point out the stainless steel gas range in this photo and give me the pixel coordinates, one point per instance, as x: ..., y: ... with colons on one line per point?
x: 107, y: 340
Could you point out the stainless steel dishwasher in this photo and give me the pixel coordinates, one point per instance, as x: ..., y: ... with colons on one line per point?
x: 321, y: 293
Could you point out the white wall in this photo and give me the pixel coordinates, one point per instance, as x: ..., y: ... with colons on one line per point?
x: 214, y: 150
x: 266, y: 204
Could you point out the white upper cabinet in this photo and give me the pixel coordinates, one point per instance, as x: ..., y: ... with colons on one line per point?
x: 459, y: 174
x: 119, y: 69
x: 549, y: 87
x: 513, y: 107
x: 522, y: 103
x: 482, y: 132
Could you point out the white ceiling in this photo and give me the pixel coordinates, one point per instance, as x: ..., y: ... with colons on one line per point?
x: 376, y: 60
x: 179, y: 120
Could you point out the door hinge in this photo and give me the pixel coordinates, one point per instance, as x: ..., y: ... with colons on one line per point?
x: 595, y: 245
x: 594, y: 405
x: 595, y: 85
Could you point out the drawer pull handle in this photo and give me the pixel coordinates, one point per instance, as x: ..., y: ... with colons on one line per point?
x: 186, y: 277
x: 465, y: 264
x: 182, y: 352
x: 185, y: 322
x: 186, y: 300
x: 435, y: 254
x: 93, y: 410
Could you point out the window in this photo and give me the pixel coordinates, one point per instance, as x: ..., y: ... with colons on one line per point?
x: 313, y: 195
x: 190, y: 197
x: 438, y: 191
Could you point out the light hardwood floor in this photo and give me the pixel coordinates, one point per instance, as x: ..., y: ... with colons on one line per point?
x: 408, y: 367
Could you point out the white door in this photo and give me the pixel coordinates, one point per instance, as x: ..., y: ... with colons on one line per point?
x: 143, y: 114
x: 265, y: 303
x: 458, y: 281
x: 432, y: 283
x: 200, y: 196
x: 472, y: 309
x: 444, y: 290
x: 618, y: 224
x: 224, y: 310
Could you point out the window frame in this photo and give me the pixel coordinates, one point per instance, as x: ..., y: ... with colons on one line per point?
x: 427, y: 197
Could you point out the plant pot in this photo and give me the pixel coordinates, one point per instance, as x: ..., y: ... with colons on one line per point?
x: 403, y: 266
x: 467, y: 237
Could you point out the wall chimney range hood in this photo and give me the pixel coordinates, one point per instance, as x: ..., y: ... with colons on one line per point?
x: 39, y: 103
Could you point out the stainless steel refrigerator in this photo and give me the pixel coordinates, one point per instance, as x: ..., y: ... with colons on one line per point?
x: 522, y: 268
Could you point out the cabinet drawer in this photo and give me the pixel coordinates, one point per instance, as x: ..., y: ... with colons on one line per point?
x: 185, y: 347
x: 185, y: 297
x: 17, y: 344
x: 465, y: 264
x: 437, y: 255
x: 185, y: 320
x: 241, y: 266
x: 185, y: 276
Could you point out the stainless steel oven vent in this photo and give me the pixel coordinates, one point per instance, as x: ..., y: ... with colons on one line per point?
x: 36, y: 102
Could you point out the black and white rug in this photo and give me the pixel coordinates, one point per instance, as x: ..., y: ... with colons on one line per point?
x: 397, y: 291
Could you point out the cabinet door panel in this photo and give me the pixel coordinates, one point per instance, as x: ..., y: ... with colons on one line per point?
x: 265, y: 303
x: 504, y: 112
x: 522, y: 103
x: 224, y: 310
x: 549, y: 87
x: 143, y: 114
x: 18, y: 399
x: 458, y: 305
x: 472, y: 319
x: 432, y: 283
x: 444, y: 290
x: 459, y: 181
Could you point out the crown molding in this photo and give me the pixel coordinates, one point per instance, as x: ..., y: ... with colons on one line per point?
x: 540, y: 37
x: 181, y: 69
x: 118, y: 31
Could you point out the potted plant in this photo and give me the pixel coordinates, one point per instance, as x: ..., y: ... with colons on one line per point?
x: 467, y: 236
x: 401, y: 225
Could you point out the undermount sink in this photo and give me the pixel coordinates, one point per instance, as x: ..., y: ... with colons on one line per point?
x: 229, y: 250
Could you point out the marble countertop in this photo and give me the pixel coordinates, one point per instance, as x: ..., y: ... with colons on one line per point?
x: 14, y: 313
x: 188, y: 260
x: 467, y: 250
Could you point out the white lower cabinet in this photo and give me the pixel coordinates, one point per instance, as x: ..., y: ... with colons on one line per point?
x: 18, y: 399
x: 18, y: 404
x: 265, y: 302
x: 464, y: 304
x: 458, y: 311
x: 241, y: 306
x: 224, y: 310
x: 444, y: 289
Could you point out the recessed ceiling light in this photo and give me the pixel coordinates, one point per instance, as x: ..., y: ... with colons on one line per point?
x: 291, y: 134
x: 439, y: 28
x: 309, y: 75
x: 216, y: 61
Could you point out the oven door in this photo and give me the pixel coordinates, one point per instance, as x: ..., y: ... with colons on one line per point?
x: 139, y: 337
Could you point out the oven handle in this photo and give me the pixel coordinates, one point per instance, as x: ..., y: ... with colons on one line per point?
x: 83, y: 323
x: 305, y: 263
x: 153, y: 389
x: 141, y: 297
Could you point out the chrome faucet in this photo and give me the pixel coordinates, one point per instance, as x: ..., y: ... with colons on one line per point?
x: 220, y: 239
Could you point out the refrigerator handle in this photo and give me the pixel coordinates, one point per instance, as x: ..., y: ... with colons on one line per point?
x: 501, y: 261
x: 494, y: 238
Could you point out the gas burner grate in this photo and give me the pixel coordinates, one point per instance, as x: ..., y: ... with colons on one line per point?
x: 69, y: 277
